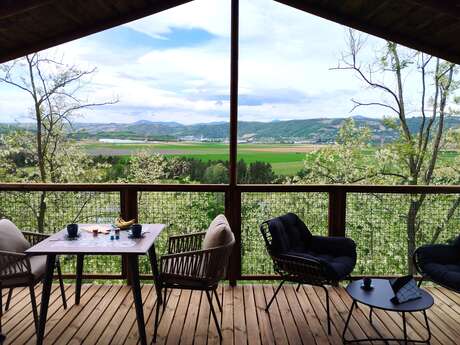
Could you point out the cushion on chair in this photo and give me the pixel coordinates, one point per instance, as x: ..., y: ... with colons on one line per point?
x: 11, y: 238
x: 218, y: 233
x: 335, y: 267
x: 288, y: 233
x: 38, y: 267
x: 447, y: 275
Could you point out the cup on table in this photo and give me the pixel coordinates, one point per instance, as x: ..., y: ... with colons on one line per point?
x: 367, y: 283
x: 136, y: 230
x: 72, y: 230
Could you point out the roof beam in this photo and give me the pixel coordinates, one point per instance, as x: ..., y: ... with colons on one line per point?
x: 320, y: 10
x: 9, y: 8
x: 81, y: 31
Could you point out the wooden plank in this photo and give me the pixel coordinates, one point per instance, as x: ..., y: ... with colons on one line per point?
x: 105, y: 320
x: 227, y: 315
x: 87, y: 309
x: 314, y: 324
x: 251, y: 316
x: 288, y: 321
x: 130, y: 320
x: 213, y: 336
x: 168, y: 316
x: 239, y: 321
x: 188, y: 331
x: 275, y: 317
x: 298, y: 316
x: 202, y: 325
x: 119, y: 315
x: 179, y: 318
x: 150, y: 301
x: 25, y: 328
x: 55, y: 330
x: 266, y: 330
x: 94, y: 320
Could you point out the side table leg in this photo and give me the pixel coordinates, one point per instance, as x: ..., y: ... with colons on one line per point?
x: 427, y: 327
x: 348, y: 321
x: 404, y: 327
x: 370, y: 314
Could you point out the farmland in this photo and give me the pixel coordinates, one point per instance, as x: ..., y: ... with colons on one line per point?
x: 286, y: 159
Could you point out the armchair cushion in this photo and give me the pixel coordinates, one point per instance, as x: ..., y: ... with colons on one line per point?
x: 11, y: 239
x: 218, y: 233
x: 38, y: 267
x: 288, y: 233
x: 338, y: 246
x: 335, y: 267
x: 441, y: 262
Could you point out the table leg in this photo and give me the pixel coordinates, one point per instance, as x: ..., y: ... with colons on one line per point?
x: 427, y: 327
x: 370, y: 314
x: 348, y: 321
x: 133, y: 262
x: 404, y: 327
x: 154, y: 266
x: 50, y: 262
x: 80, y: 258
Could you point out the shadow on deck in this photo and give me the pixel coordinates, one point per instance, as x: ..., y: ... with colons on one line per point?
x: 106, y: 315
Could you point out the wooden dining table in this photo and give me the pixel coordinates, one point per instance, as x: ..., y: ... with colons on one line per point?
x: 89, y: 244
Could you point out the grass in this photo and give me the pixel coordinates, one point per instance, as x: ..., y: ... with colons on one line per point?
x: 286, y: 159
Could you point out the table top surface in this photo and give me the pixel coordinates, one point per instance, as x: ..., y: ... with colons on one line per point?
x: 101, y: 244
x: 380, y: 297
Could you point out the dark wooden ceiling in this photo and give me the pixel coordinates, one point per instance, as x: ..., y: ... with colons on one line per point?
x: 432, y: 26
x: 27, y: 26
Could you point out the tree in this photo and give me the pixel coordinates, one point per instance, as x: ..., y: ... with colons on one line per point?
x: 413, y: 158
x: 216, y: 173
x: 260, y: 172
x: 54, y: 89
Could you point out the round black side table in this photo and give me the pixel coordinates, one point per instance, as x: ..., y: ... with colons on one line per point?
x: 380, y: 298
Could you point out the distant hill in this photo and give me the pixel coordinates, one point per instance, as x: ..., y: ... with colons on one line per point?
x: 319, y: 130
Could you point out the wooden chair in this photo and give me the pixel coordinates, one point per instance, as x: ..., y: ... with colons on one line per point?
x: 196, y: 262
x: 18, y: 269
x: 302, y: 258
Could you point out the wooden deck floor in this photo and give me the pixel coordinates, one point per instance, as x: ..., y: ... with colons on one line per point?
x: 106, y: 316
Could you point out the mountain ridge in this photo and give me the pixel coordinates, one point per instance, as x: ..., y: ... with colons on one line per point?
x: 316, y: 130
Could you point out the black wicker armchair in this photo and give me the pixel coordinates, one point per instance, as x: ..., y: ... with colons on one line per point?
x: 300, y: 257
x: 196, y: 261
x: 18, y: 269
x: 440, y: 263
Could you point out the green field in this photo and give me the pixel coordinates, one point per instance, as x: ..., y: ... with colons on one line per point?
x: 286, y: 159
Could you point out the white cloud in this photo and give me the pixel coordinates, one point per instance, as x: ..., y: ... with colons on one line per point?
x: 280, y: 49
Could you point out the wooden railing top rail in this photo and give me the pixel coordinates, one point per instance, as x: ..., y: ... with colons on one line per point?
x: 115, y: 187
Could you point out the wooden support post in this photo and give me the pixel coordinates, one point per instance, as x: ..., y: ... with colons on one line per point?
x: 233, y: 196
x: 129, y: 210
x: 337, y: 212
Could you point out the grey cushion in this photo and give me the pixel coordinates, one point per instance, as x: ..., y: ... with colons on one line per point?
x: 11, y: 239
x: 218, y: 233
x: 38, y: 266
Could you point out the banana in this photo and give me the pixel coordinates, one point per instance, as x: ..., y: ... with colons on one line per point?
x: 123, y: 224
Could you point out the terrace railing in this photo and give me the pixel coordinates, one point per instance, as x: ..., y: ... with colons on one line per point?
x: 376, y: 217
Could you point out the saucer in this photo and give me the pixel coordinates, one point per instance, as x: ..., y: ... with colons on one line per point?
x: 370, y: 288
x: 130, y: 235
x: 68, y: 238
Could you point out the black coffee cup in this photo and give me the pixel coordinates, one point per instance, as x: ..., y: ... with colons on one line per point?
x: 72, y: 230
x: 136, y: 230
x: 367, y: 282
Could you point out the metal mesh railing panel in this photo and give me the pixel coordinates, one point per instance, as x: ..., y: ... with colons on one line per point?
x: 312, y: 208
x: 182, y: 212
x: 61, y: 208
x: 379, y: 225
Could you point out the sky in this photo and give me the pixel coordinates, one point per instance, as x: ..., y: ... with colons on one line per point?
x: 175, y: 66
